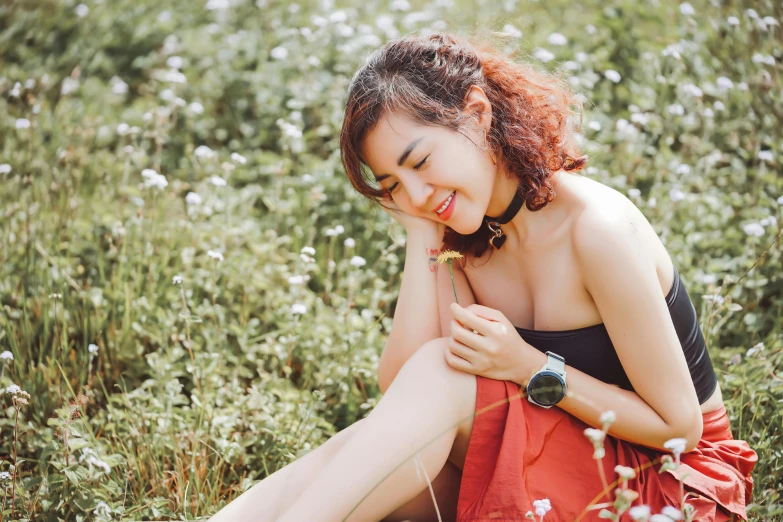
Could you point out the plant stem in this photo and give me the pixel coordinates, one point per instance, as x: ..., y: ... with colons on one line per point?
x: 451, y: 271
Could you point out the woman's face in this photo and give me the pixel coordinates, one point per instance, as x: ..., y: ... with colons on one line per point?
x: 422, y: 166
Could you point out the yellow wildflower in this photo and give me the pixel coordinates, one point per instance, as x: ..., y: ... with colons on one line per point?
x: 447, y: 255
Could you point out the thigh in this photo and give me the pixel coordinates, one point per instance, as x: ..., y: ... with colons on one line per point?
x: 421, y: 508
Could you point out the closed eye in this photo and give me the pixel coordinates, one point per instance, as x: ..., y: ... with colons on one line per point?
x: 418, y: 165
x: 415, y: 167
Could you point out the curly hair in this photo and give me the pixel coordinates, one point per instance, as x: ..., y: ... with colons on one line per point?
x: 428, y: 77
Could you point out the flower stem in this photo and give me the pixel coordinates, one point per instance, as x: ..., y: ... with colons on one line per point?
x: 451, y: 271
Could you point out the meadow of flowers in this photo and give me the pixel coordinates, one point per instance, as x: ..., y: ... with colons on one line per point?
x: 191, y: 295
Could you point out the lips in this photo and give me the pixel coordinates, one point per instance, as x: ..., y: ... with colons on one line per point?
x: 447, y: 213
x: 440, y: 205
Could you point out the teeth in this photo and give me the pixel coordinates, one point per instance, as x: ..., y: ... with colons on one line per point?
x: 446, y: 204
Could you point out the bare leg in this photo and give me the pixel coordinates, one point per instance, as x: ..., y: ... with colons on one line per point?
x: 375, y: 473
x: 269, y: 498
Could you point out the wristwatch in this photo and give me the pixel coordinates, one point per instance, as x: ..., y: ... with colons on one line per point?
x: 547, y: 387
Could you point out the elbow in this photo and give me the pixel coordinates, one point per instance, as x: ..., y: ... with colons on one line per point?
x: 690, y: 430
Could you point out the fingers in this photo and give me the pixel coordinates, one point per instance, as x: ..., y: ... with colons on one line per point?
x: 472, y: 321
x: 465, y: 335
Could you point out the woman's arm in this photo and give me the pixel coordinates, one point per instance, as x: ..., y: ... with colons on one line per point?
x: 625, y: 288
x: 416, y: 317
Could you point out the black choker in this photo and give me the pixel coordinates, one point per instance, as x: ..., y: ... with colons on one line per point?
x: 494, y: 223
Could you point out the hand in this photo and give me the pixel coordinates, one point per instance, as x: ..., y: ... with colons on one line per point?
x: 495, y: 351
x: 412, y: 223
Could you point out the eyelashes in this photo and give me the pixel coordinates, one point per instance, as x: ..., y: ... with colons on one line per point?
x: 415, y: 167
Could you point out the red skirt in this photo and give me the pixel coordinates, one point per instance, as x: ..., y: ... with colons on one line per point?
x: 519, y: 452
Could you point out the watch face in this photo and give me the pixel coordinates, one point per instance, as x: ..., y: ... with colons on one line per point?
x: 546, y: 389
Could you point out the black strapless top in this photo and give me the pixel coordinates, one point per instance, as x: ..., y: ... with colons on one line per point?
x: 591, y: 351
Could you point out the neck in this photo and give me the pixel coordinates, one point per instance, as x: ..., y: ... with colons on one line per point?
x: 526, y: 222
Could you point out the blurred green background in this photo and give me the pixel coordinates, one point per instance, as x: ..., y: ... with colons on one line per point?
x: 146, y: 140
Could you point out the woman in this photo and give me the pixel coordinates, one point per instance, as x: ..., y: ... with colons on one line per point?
x: 472, y: 152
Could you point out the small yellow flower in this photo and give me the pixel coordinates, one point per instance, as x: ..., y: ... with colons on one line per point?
x: 448, y: 254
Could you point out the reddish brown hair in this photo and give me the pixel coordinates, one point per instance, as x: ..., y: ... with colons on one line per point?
x: 428, y: 77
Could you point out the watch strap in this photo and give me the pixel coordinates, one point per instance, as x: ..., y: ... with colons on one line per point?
x: 555, y: 363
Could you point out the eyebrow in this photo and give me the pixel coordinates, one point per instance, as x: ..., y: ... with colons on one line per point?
x: 402, y: 158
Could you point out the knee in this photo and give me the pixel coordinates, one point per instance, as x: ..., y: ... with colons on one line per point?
x: 430, y: 362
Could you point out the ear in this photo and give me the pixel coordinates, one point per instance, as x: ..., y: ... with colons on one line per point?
x: 478, y: 107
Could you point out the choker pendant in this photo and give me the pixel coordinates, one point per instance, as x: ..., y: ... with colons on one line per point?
x: 498, y: 237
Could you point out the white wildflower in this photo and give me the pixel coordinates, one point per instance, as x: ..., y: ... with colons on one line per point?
x: 724, y: 83
x: 557, y: 39
x: 213, y: 5
x: 512, y: 31
x: 202, y: 151
x: 766, y: 155
x: 672, y: 512
x: 625, y: 472
x: 4, y: 475
x: 676, y: 445
x: 542, y: 506
x: 400, y: 5
x: 22, y: 123
x: 780, y: 200
x: 93, y: 348
x: 296, y: 280
x: 687, y: 9
x: 279, y: 53
x: 5, y: 168
x: 753, y: 229
x: 193, y: 199
x: 543, y: 55
x: 756, y: 349
x: 676, y: 194
x: 350, y: 242
x: 770, y: 20
x: 594, y: 125
x: 608, y: 417
x: 69, y: 85
x: 719, y: 106
x: 123, y: 128
x: 683, y: 169
x: 118, y: 86
x: 196, y: 108
x: 308, y: 250
x: 215, y: 255
x: 339, y: 229
x: 676, y: 109
x: 733, y: 20
x: 177, y: 280
x: 175, y: 62
x: 634, y: 192
x: 639, y: 513
x: 13, y: 389
x: 612, y: 75
x: 298, y: 308
x: 217, y: 181
x: 358, y: 261
x: 238, y: 158
x: 330, y: 232
x: 82, y: 10
x: 102, y: 509
x: 153, y: 179
x: 594, y: 435
x: 7, y: 355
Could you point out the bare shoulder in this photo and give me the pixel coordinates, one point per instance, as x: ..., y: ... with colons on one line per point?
x: 610, y: 225
x: 606, y: 216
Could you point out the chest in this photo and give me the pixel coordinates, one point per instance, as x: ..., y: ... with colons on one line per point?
x: 541, y: 290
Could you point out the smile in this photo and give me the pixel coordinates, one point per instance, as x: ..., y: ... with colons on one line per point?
x: 445, y: 204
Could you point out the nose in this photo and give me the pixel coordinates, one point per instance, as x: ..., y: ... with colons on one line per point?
x: 420, y: 194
